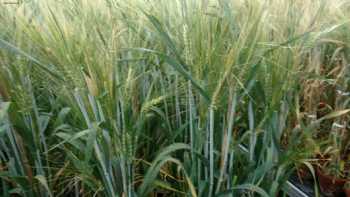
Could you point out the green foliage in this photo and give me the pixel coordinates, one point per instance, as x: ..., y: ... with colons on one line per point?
x: 181, y: 98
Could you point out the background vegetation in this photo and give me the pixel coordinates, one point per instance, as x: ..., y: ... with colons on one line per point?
x: 175, y: 98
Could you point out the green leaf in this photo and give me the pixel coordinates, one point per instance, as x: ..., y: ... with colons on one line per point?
x: 4, y: 106
x: 162, y: 158
x: 8, y: 46
x: 164, y: 35
x: 43, y: 182
x: 179, y: 68
x: 71, y: 138
x: 249, y: 187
